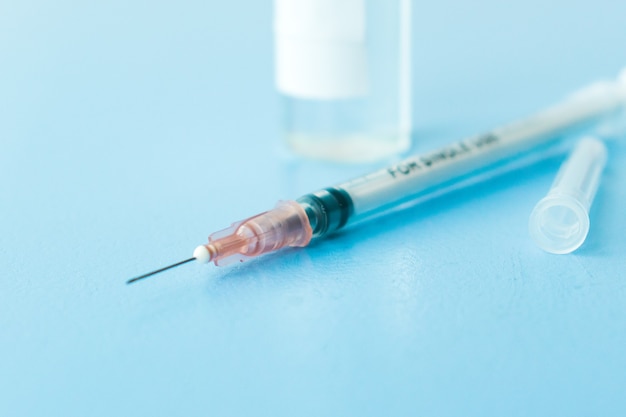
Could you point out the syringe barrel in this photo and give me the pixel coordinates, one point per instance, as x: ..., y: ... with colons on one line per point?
x: 428, y: 174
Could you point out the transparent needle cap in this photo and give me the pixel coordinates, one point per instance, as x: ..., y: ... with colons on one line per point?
x: 560, y: 221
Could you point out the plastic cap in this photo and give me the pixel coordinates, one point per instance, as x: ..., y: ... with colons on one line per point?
x: 560, y: 221
x: 320, y: 49
x: 202, y: 254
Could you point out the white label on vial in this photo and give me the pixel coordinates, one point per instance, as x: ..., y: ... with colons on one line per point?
x: 320, y: 48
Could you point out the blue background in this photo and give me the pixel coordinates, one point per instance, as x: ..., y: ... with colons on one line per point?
x: 130, y: 130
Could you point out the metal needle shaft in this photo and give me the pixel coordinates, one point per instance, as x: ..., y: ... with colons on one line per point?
x: 130, y: 281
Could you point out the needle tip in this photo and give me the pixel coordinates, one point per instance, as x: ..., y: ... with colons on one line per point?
x: 149, y: 274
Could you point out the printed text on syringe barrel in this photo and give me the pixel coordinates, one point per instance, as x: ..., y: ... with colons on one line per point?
x: 414, y: 175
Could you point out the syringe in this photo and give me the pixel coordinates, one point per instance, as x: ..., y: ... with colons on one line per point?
x: 315, y: 215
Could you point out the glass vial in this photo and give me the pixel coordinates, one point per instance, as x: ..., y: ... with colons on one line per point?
x: 343, y: 69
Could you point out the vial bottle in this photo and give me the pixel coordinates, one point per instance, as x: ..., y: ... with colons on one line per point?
x: 343, y: 70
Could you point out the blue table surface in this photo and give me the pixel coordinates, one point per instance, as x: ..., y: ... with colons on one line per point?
x: 130, y: 130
